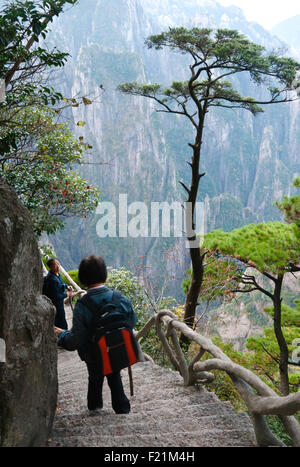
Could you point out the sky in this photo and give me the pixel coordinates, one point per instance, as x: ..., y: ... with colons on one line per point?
x: 267, y: 13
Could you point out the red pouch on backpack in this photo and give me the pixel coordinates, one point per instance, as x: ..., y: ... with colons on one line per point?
x: 118, y: 350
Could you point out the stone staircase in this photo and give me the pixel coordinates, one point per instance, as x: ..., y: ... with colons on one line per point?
x: 164, y: 413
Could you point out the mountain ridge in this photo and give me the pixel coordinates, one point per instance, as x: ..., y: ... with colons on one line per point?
x: 249, y: 165
x: 289, y: 32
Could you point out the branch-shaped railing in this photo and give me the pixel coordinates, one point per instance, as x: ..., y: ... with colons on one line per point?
x: 259, y: 398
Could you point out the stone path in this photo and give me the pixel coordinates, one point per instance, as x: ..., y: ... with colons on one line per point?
x: 164, y: 413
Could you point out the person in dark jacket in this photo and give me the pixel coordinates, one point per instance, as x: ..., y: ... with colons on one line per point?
x: 92, y: 273
x: 55, y: 289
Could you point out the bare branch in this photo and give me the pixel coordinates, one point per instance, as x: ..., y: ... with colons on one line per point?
x: 185, y: 187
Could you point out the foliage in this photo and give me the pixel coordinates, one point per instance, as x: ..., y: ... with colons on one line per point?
x: 257, y: 363
x: 37, y: 153
x: 21, y: 25
x: 271, y: 246
x: 216, y: 57
x: 74, y: 276
x: 290, y: 316
x: 23, y: 60
x: 127, y: 283
x: 222, y: 385
x: 41, y: 171
x: 267, y: 352
x: 227, y: 51
x: 218, y: 280
x: 291, y: 206
x: 273, y: 249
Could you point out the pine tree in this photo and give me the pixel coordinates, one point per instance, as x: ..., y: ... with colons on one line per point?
x: 273, y: 250
x: 216, y: 57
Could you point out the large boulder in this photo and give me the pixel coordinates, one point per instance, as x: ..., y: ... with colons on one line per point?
x: 28, y: 377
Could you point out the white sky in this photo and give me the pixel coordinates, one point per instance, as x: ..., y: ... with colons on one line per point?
x: 267, y: 13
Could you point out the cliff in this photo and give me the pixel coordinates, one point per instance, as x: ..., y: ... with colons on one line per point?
x: 249, y: 161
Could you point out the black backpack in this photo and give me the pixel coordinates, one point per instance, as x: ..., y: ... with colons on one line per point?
x: 113, y: 342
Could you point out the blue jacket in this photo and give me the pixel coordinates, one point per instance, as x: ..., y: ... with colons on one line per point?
x: 78, y: 338
x: 55, y: 290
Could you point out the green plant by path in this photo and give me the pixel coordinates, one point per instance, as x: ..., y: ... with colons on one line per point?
x: 272, y: 250
x: 42, y: 171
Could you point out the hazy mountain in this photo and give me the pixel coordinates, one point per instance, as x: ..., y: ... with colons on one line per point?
x: 289, y: 32
x: 249, y: 162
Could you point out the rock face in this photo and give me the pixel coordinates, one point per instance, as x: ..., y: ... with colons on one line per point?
x: 249, y: 161
x: 28, y: 377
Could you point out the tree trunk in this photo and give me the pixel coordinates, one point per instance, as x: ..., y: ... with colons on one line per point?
x: 194, y: 245
x: 284, y: 353
x: 195, y: 287
x: 195, y: 253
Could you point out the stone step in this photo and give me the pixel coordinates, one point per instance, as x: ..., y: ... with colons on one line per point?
x: 182, y: 404
x: 142, y: 424
x: 164, y: 413
x: 203, y: 438
x: 74, y: 414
